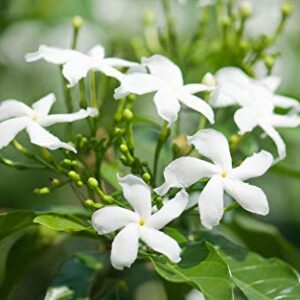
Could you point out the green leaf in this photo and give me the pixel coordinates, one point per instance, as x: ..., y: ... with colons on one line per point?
x: 201, y: 267
x: 259, y: 278
x: 60, y: 222
x: 109, y: 171
x: 176, y: 235
x: 59, y: 293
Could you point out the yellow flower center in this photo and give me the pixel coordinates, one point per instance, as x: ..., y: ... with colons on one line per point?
x: 142, y: 222
x: 224, y: 174
x: 34, y: 118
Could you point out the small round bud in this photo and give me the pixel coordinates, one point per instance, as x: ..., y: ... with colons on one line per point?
x: 42, y: 191
x: 124, y: 148
x: 93, y: 182
x: 269, y: 61
x: 131, y: 97
x: 83, y: 141
x: 93, y: 204
x: 148, y: 18
x: 246, y: 9
x: 147, y: 177
x: 287, y: 8
x: 181, y: 144
x: 127, y: 114
x: 74, y: 176
x: 244, y: 44
x: 225, y: 21
x: 77, y: 22
x: 55, y: 181
x: 209, y: 79
x: 79, y: 183
x: 234, y: 139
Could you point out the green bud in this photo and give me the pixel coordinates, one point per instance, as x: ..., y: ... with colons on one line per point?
x: 77, y: 22
x: 55, y: 181
x: 74, y: 176
x: 244, y: 44
x: 42, y: 191
x: 93, y: 182
x: 245, y: 9
x: 46, y: 154
x: 93, y: 204
x: 127, y: 114
x: 124, y: 148
x: 269, y: 61
x: 147, y: 177
x: 209, y: 79
x: 148, y: 18
x: 79, y: 183
x: 287, y: 8
x: 83, y: 142
x: 131, y: 97
x: 225, y: 21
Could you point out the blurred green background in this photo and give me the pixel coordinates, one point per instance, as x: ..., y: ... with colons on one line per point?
x: 24, y: 25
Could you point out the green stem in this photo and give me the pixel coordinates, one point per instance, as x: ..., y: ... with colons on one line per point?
x: 203, y: 120
x: 17, y: 165
x: 231, y: 207
x: 94, y: 102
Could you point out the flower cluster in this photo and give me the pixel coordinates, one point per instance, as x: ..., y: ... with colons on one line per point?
x: 256, y: 101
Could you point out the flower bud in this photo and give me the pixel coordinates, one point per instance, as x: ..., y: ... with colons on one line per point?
x: 269, y: 61
x: 181, y: 144
x: 46, y: 154
x: 131, y: 97
x: 93, y: 204
x: 147, y: 177
x: 148, y: 18
x: 93, y: 182
x: 209, y: 79
x: 124, y: 148
x: 55, y: 181
x: 245, y: 9
x: 79, y: 183
x: 42, y: 191
x: 83, y: 141
x: 287, y: 8
x: 225, y: 21
x: 74, y: 176
x: 127, y: 114
x: 77, y: 22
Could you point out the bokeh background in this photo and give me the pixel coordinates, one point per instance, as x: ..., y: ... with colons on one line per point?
x: 24, y: 25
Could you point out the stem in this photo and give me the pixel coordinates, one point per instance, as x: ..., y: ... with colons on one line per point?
x: 231, y: 207
x: 163, y: 136
x: 203, y: 120
x: 93, y: 90
x: 17, y: 165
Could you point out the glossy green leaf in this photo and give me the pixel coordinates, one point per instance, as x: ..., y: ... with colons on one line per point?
x: 59, y: 222
x: 201, y: 267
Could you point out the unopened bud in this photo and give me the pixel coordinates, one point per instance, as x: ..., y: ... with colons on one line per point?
x: 77, y: 22
x: 225, y: 21
x: 42, y: 191
x: 246, y: 9
x: 287, y: 8
x: 79, y: 183
x: 93, y: 182
x: 209, y: 79
x: 93, y: 204
x: 127, y: 114
x: 124, y: 148
x: 269, y: 61
x: 74, y: 176
x: 147, y: 177
x: 131, y: 97
x: 148, y: 18
x: 181, y: 144
x: 55, y: 181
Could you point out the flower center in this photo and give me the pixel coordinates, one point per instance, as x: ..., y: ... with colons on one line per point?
x: 142, y: 222
x: 34, y: 118
x: 224, y: 174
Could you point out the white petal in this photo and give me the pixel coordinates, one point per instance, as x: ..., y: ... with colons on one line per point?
x: 253, y: 166
x: 271, y: 82
x: 170, y: 211
x: 185, y: 171
x: 197, y: 104
x: 109, y: 71
x: 53, y: 55
x: 213, y: 145
x: 137, y: 193
x: 160, y: 242
x: 138, y: 83
x: 13, y: 109
x: 110, y: 218
x: 245, y: 119
x: 124, y: 248
x: 76, y: 69
x: 41, y: 137
x: 97, y: 52
x: 195, y: 295
x: 10, y: 128
x: 194, y: 88
x: 232, y: 74
x: 42, y: 107
x: 211, y: 203
x: 164, y: 68
x: 119, y: 62
x: 66, y: 118
x: 277, y: 139
x: 286, y: 102
x: 250, y: 197
x: 167, y: 105
x: 285, y: 120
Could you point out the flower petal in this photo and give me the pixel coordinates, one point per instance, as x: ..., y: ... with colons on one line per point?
x: 213, y: 145
x: 42, y: 107
x: 285, y: 120
x: 271, y: 82
x: 167, y: 105
x: 253, y: 166
x: 197, y: 104
x: 110, y: 218
x: 109, y: 71
x: 245, y: 119
x: 194, y: 295
x: 164, y: 68
x: 65, y: 118
x: 250, y: 197
x: 10, y: 128
x: 194, y: 88
x: 277, y: 139
x: 41, y: 137
x: 286, y: 102
x: 137, y: 193
x: 170, y: 211
x: 138, y: 83
x: 97, y: 52
x: 160, y: 242
x: 54, y: 55
x: 211, y: 203
x: 185, y: 171
x: 119, y: 62
x: 124, y: 248
x: 14, y: 109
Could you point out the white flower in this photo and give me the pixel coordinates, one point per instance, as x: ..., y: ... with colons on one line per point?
x: 185, y: 171
x: 17, y: 116
x: 139, y: 224
x: 76, y: 65
x: 165, y: 79
x: 194, y: 295
x: 258, y: 101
